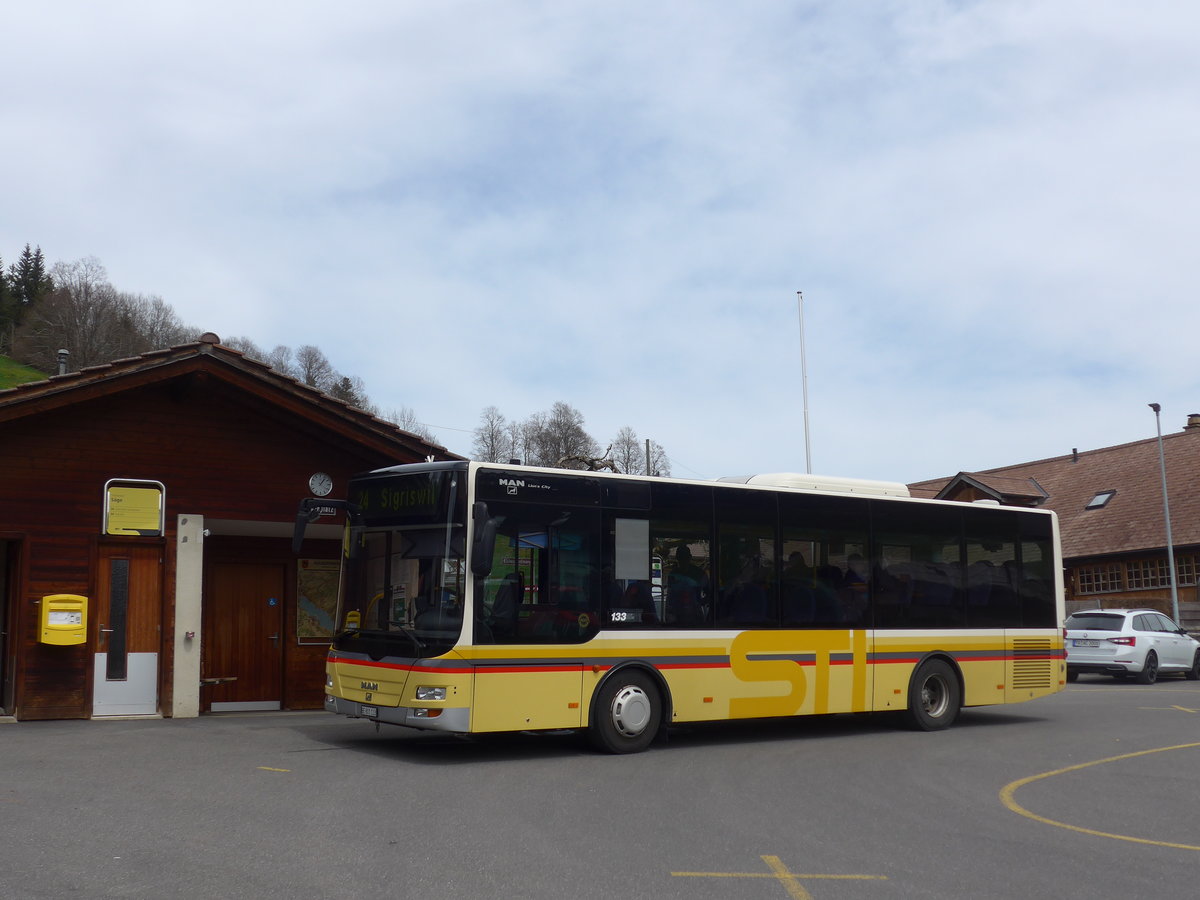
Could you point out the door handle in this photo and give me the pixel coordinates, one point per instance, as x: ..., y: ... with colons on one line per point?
x: 274, y: 638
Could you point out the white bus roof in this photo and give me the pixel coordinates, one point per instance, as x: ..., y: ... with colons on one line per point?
x: 800, y: 481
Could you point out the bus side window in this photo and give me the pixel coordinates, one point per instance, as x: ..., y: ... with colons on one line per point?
x: 628, y: 591
x: 686, y: 582
x: 819, y: 537
x: 993, y: 575
x: 1037, y: 576
x: 746, y: 565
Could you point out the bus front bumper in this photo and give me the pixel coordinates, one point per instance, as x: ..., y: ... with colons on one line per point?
x: 453, y: 720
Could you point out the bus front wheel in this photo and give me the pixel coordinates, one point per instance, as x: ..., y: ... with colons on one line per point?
x: 627, y: 714
x: 934, y: 697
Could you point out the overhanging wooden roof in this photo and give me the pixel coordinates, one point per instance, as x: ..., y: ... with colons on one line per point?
x: 205, y: 364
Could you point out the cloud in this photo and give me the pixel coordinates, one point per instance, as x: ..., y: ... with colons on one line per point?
x: 989, y: 207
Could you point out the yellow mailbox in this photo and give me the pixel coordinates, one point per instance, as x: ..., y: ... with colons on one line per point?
x: 64, y: 619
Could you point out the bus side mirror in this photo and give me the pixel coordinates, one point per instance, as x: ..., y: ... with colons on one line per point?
x: 312, y: 508
x: 484, y: 546
x: 308, y: 512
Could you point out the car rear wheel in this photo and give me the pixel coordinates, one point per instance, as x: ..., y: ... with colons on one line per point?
x: 1149, y: 673
x: 1072, y: 676
x: 1193, y: 674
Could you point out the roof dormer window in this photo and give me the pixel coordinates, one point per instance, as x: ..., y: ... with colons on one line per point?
x: 1100, y: 500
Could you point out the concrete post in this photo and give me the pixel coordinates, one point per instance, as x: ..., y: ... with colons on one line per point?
x: 189, y: 588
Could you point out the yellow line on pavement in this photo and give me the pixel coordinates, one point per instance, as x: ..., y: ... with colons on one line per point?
x: 779, y: 872
x: 1006, y: 797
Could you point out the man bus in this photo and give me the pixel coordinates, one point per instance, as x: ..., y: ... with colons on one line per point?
x: 479, y: 598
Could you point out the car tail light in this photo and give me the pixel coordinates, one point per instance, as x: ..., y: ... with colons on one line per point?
x: 1124, y: 641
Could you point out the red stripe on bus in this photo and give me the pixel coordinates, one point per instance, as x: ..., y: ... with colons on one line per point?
x: 400, y: 667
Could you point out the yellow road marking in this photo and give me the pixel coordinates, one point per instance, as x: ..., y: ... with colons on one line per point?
x: 1006, y: 797
x: 269, y: 769
x: 789, y: 880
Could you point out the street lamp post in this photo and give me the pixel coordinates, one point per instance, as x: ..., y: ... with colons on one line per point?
x: 1162, y: 466
x: 804, y: 384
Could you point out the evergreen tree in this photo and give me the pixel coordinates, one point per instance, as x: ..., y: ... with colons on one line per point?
x: 6, y: 311
x: 28, y: 281
x: 350, y: 391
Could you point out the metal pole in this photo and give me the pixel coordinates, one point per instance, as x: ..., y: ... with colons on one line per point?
x: 804, y: 385
x: 1162, y: 465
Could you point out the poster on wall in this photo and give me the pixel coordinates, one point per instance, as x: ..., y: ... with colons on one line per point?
x: 316, y: 600
x: 134, y: 507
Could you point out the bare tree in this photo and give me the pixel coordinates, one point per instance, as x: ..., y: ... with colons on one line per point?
x: 627, y: 451
x: 561, y: 435
x: 82, y: 315
x: 156, y: 322
x: 406, y: 418
x: 280, y: 359
x: 521, y: 439
x: 591, y: 463
x: 660, y: 464
x: 314, y: 368
x: 246, y: 346
x: 493, y: 442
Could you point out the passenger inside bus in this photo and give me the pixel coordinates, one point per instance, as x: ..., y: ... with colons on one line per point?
x: 797, y: 589
x: 685, y: 590
x: 745, y: 599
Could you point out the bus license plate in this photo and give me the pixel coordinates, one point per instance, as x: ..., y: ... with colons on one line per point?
x: 1087, y: 643
x: 370, y: 711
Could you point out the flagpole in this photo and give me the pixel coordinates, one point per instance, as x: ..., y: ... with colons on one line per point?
x: 804, y: 384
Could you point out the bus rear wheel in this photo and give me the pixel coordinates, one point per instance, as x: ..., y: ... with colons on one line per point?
x: 627, y: 713
x: 934, y: 697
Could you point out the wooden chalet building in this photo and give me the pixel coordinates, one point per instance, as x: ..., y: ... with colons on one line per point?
x: 145, y: 535
x: 1110, y: 509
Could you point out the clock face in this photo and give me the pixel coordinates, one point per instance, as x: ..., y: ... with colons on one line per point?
x: 320, y: 484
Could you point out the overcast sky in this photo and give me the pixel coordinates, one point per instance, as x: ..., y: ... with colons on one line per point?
x: 988, y: 207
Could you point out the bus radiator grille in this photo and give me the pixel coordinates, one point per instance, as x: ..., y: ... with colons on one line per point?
x: 1032, y: 667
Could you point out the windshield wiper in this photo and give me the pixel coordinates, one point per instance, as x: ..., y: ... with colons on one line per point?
x: 410, y: 634
x: 378, y: 644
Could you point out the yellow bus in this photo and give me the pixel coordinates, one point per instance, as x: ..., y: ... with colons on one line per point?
x: 481, y: 598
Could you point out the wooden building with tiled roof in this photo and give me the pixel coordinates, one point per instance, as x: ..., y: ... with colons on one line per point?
x: 1110, y: 508
x: 145, y: 555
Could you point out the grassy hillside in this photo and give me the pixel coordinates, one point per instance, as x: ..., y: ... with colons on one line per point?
x: 13, y: 373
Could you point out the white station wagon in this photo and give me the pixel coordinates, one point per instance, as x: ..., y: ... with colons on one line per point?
x: 1129, y: 642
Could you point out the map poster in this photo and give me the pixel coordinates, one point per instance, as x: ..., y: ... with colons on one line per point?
x: 316, y: 603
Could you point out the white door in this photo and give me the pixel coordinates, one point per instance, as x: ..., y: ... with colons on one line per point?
x: 127, y: 613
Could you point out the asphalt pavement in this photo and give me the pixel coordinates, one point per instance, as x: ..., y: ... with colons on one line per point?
x: 1091, y: 793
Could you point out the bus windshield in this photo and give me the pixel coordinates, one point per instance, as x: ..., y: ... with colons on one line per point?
x: 405, y: 574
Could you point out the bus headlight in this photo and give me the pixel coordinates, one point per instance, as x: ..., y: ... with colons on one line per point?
x: 328, y: 679
x: 431, y: 693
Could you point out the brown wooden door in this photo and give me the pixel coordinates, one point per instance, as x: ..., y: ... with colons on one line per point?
x: 128, y: 616
x: 8, y: 556
x: 241, y: 664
